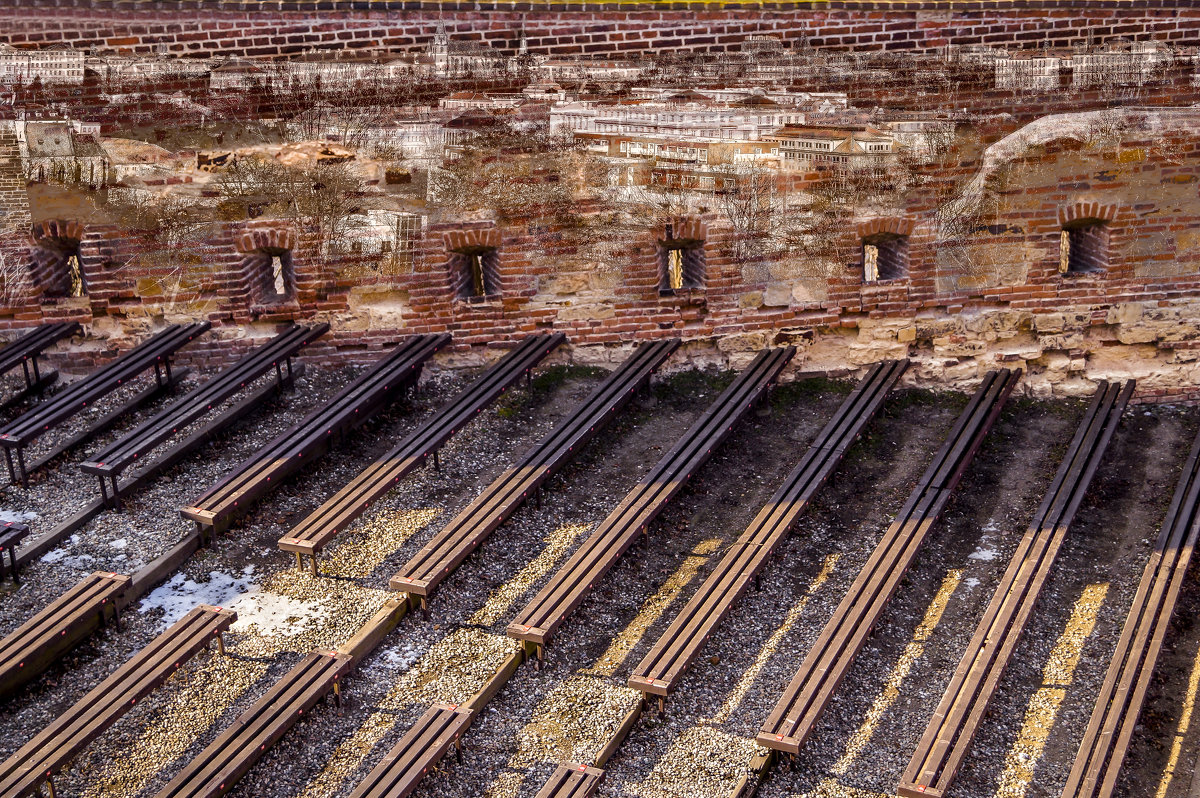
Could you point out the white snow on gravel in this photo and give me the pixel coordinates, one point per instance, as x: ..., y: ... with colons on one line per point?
x: 271, y: 613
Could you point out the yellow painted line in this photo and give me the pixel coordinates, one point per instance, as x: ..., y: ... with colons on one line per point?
x: 891, y: 687
x: 1185, y: 720
x: 738, y: 693
x: 501, y: 599
x: 1042, y: 710
x: 652, y: 609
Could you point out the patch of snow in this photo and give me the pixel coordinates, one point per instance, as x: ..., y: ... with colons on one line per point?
x: 15, y: 515
x: 63, y: 556
x: 274, y: 614
x: 180, y: 595
x: 971, y: 582
x: 981, y: 553
x: 400, y: 657
x: 119, y: 543
x: 269, y: 613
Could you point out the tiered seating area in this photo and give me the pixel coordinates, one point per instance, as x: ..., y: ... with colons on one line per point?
x: 961, y: 711
x: 422, y: 574
x: 323, y: 524
x: 830, y: 658
x: 154, y: 353
x: 261, y: 473
x: 536, y: 623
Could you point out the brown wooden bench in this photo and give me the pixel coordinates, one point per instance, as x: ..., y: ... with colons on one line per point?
x: 11, y: 535
x: 275, y: 355
x: 24, y: 352
x: 566, y: 590
x: 384, y: 382
x: 832, y: 655
x: 36, y: 762
x: 471, y: 527
x: 1105, y: 742
x: 323, y: 524
x: 669, y: 658
x: 948, y: 737
x: 420, y: 749
x: 216, y: 769
x: 572, y: 781
x: 154, y: 353
x: 59, y: 627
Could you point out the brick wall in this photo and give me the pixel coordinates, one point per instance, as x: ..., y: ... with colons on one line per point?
x: 280, y: 27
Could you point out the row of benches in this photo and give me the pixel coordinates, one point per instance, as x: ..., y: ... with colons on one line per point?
x: 566, y: 590
x: 26, y: 350
x: 669, y: 658
x: 1119, y: 702
x: 36, y: 762
x: 830, y: 658
x: 960, y: 712
x: 154, y: 353
x: 320, y: 527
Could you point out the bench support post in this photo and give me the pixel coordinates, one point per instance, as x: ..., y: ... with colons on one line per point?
x: 299, y: 562
x: 220, y: 644
x: 313, y: 558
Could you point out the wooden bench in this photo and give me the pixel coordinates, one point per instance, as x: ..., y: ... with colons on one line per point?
x: 277, y: 354
x: 572, y: 781
x: 323, y: 524
x: 672, y: 654
x: 833, y: 654
x: 566, y: 590
x: 470, y: 528
x: 59, y: 627
x: 1105, y: 743
x: 11, y: 535
x: 420, y: 749
x: 36, y: 762
x: 78, y: 396
x: 217, y: 768
x: 948, y: 737
x: 24, y: 352
x: 236, y: 493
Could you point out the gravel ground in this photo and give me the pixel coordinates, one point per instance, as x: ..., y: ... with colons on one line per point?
x: 569, y: 708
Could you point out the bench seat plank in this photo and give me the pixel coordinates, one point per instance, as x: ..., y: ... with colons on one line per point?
x: 572, y: 583
x: 51, y: 749
x: 419, y: 750
x: 572, y: 781
x: 471, y: 527
x: 678, y: 646
x: 832, y: 655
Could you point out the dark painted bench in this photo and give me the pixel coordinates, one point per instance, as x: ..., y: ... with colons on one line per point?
x: 470, y: 528
x: 1114, y: 718
x: 832, y: 655
x: 672, y: 654
x: 36, y: 762
x: 948, y: 737
x: 277, y: 354
x: 24, y: 352
x: 78, y: 396
x: 572, y: 583
x: 572, y: 781
x: 237, y: 492
x: 63, y: 624
x: 11, y: 535
x: 217, y: 768
x: 323, y: 524
x: 419, y: 750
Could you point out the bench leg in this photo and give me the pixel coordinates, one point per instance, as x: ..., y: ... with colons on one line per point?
x: 21, y: 463
x: 220, y: 644
x: 50, y: 787
x: 12, y: 473
x: 25, y: 369
x: 437, y: 464
x: 299, y: 561
x: 662, y: 705
x: 313, y: 558
x: 12, y: 555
